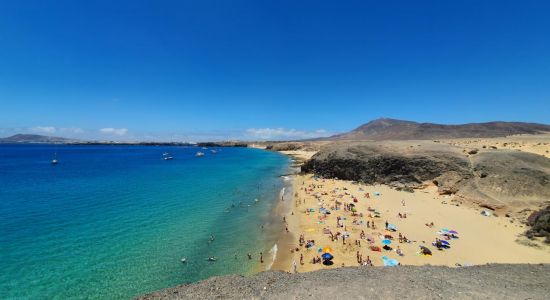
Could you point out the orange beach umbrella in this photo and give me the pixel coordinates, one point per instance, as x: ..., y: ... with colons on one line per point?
x: 327, y: 249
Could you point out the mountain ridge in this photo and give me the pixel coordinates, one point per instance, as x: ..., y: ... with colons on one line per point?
x: 394, y: 129
x: 35, y: 138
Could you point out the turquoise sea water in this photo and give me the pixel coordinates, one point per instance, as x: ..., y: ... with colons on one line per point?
x: 112, y: 222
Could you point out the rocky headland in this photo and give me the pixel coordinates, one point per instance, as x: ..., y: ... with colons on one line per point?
x: 406, y: 282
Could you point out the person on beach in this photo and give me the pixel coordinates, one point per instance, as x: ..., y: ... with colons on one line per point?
x: 261, y: 258
x: 387, y: 224
x: 294, y: 266
x: 249, y: 256
x: 301, y: 259
x: 399, y: 252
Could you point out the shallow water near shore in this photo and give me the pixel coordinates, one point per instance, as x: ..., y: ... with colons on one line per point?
x: 112, y: 222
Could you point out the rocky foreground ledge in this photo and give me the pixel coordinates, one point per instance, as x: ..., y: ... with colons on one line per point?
x: 497, y: 281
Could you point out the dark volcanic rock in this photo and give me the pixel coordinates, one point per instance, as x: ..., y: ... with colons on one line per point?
x: 540, y: 224
x: 496, y: 178
x: 372, y: 163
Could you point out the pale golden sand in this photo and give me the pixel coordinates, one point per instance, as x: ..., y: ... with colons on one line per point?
x: 481, y: 239
x: 537, y: 144
x: 299, y: 154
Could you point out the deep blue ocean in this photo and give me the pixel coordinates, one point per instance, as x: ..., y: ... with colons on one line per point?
x: 112, y: 222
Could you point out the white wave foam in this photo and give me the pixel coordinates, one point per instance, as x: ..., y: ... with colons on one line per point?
x: 273, y: 252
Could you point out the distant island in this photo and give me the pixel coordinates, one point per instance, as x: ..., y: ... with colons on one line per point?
x: 43, y: 139
x: 35, y: 139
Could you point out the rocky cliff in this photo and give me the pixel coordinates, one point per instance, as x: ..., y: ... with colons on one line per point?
x: 495, y: 178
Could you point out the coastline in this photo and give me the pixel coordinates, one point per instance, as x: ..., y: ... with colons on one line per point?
x: 286, y: 242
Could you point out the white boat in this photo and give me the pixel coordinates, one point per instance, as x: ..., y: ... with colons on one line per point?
x: 204, y: 148
x: 199, y: 154
x: 166, y: 156
x: 54, y: 160
x: 213, y: 151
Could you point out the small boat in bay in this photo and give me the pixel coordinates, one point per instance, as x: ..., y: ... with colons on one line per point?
x: 199, y: 154
x: 54, y: 160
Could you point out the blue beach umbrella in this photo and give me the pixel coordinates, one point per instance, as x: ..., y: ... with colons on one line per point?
x: 386, y: 242
x: 327, y: 256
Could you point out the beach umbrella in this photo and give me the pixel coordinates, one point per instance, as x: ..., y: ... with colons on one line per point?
x: 327, y: 256
x: 452, y: 232
x: 445, y: 243
x: 392, y: 227
x: 327, y: 249
x: 386, y: 242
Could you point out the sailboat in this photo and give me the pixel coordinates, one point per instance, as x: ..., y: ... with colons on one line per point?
x: 54, y: 160
x: 199, y: 154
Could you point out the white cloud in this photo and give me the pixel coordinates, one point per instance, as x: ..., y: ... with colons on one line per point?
x: 114, y: 131
x: 71, y: 130
x: 283, y: 134
x: 43, y: 129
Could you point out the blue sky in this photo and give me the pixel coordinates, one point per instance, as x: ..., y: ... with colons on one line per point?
x: 199, y: 70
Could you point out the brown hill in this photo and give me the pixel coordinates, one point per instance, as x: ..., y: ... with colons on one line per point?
x: 391, y: 129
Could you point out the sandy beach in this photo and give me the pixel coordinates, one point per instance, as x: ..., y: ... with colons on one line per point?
x: 536, y: 144
x: 480, y: 239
